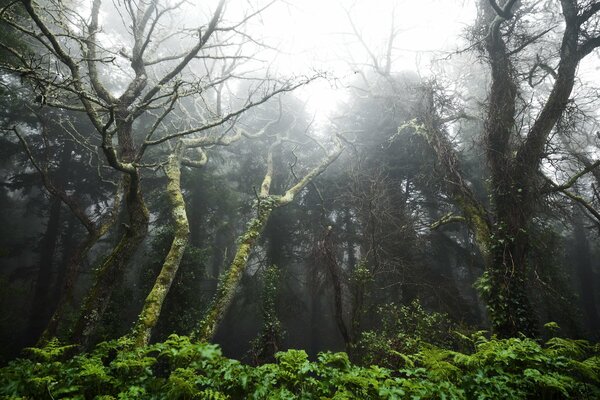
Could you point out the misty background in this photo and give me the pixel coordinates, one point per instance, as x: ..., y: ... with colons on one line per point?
x: 374, y: 119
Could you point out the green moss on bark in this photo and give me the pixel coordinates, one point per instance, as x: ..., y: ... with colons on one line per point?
x: 231, y: 279
x: 150, y: 313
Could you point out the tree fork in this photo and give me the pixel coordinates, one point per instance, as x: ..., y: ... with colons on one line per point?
x: 265, y: 205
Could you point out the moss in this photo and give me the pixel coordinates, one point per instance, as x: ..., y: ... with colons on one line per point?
x: 151, y: 310
x: 231, y: 279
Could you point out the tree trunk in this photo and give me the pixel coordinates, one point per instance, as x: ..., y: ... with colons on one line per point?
x: 264, y: 207
x: 509, y: 306
x: 67, y: 245
x: 230, y: 281
x: 328, y: 253
x: 150, y: 313
x: 40, y: 311
x: 111, y: 270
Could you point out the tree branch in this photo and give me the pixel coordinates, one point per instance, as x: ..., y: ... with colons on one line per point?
x: 447, y: 219
x: 573, y: 179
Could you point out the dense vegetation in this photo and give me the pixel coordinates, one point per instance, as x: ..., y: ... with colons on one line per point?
x: 177, y: 214
x: 516, y: 368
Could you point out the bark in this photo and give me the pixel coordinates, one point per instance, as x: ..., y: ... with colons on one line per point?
x: 150, y: 313
x: 507, y: 301
x: 39, y: 306
x: 231, y: 280
x: 265, y: 205
x: 110, y: 272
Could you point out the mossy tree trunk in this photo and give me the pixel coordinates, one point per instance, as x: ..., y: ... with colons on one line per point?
x: 501, y: 232
x: 110, y: 272
x: 230, y: 281
x: 150, y: 313
x: 148, y: 318
x: 115, y: 116
x: 265, y: 205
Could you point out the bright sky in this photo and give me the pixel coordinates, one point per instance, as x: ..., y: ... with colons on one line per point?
x: 317, y: 34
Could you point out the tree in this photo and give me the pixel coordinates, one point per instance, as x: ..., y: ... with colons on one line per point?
x: 133, y: 113
x: 264, y: 205
x: 514, y: 149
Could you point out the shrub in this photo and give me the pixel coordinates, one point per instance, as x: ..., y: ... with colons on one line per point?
x: 516, y: 368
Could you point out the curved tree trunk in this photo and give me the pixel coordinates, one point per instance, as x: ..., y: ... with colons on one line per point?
x: 150, y: 313
x: 110, y: 272
x: 266, y: 203
x: 230, y: 281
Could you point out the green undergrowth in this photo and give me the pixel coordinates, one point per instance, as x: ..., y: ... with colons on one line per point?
x: 516, y: 368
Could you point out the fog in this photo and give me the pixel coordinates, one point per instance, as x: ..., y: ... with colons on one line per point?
x: 318, y: 175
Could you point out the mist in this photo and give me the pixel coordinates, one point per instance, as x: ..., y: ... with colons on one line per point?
x: 331, y: 186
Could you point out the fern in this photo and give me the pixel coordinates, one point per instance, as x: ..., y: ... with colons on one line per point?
x: 515, y: 368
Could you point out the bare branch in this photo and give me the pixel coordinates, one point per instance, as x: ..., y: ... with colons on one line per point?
x: 52, y: 188
x: 232, y: 115
x: 447, y: 219
x: 190, y: 55
x: 573, y: 179
x: 289, y: 195
x: 580, y: 200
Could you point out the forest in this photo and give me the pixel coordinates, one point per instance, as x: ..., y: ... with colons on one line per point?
x: 269, y: 199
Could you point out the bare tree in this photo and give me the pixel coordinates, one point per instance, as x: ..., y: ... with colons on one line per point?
x: 134, y: 95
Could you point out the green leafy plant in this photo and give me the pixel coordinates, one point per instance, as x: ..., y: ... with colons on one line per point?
x: 403, y: 328
x: 515, y: 368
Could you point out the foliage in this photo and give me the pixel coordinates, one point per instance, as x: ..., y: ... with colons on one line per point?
x: 267, y: 342
x: 402, y: 330
x: 515, y: 368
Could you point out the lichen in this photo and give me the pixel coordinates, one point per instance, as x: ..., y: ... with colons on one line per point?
x: 229, y: 282
x: 150, y: 313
